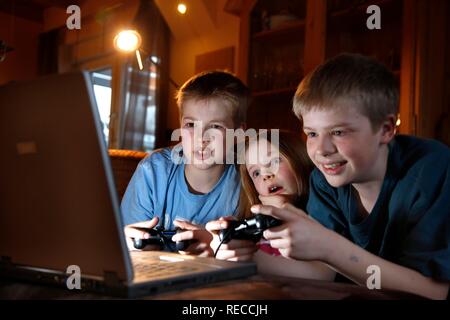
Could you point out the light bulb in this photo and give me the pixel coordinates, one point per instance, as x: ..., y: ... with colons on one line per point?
x: 127, y: 41
x: 182, y: 8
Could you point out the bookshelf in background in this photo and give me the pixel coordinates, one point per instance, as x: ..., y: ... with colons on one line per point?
x: 275, y: 61
x: 412, y: 43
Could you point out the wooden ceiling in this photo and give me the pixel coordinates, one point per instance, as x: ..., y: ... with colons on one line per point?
x: 33, y: 9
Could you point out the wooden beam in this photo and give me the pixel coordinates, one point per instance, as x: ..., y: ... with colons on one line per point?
x: 222, y: 59
x: 430, y: 66
x: 244, y: 39
x: 315, y: 34
x: 408, y: 69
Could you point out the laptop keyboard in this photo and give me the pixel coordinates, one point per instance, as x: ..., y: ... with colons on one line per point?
x: 162, y: 269
x: 151, y: 266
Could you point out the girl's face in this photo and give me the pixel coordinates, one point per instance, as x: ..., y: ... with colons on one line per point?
x: 269, y: 170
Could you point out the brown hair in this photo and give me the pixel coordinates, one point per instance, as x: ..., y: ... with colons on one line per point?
x: 217, y: 85
x: 354, y: 77
x: 291, y: 147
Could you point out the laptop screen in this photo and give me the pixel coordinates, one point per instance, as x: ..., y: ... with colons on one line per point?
x: 58, y: 204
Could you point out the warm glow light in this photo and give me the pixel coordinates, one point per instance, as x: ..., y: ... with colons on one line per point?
x: 154, y: 59
x: 182, y: 8
x: 127, y: 41
x: 397, y: 124
x: 139, y: 60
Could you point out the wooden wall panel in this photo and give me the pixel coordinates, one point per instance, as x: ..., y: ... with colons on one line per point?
x: 222, y: 59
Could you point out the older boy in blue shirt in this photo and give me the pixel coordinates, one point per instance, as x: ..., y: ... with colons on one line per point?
x: 190, y: 184
x: 379, y: 203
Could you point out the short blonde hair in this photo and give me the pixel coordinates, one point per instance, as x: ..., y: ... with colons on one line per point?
x: 220, y: 85
x: 353, y: 77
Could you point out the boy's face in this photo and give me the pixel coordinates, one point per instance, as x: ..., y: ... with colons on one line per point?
x: 203, y: 130
x: 271, y: 173
x: 343, y: 145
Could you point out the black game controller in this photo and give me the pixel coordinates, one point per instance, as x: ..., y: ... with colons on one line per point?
x: 249, y: 229
x: 163, y: 239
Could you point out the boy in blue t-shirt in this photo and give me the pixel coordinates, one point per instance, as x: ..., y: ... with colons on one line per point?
x: 379, y: 204
x: 190, y: 184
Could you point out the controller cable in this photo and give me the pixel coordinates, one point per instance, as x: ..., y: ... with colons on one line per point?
x: 221, y: 242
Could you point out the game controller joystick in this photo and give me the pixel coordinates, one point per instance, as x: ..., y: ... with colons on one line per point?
x: 248, y: 229
x: 163, y: 239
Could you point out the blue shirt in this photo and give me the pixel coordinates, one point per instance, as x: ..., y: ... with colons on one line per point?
x: 410, y: 222
x: 158, y: 188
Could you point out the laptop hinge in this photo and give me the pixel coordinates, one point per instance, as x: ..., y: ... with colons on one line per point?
x: 111, y: 279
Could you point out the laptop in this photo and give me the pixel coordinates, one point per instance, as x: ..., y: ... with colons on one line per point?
x: 59, y: 209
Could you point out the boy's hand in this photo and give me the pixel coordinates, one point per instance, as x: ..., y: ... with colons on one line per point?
x: 299, y: 237
x: 277, y: 200
x: 137, y: 231
x: 202, y: 246
x: 235, y: 250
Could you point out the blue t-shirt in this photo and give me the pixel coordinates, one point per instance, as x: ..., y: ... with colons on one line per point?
x: 158, y: 188
x: 410, y: 222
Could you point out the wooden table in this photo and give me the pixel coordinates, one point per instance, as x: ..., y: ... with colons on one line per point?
x: 258, y: 287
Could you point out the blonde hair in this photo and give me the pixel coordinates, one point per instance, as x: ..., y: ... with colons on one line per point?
x: 220, y: 85
x: 291, y: 147
x: 352, y: 77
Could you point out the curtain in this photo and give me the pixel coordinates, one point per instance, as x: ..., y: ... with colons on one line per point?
x: 143, y: 119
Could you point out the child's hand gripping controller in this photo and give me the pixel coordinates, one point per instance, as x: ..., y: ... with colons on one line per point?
x: 249, y: 229
x: 163, y: 239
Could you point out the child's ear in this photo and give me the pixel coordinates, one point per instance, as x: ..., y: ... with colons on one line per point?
x: 388, y: 128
